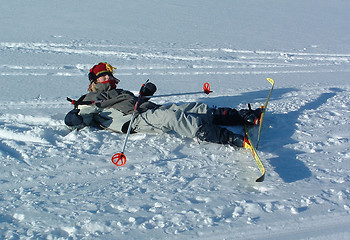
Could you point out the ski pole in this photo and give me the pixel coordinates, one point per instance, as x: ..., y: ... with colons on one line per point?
x: 206, y: 90
x: 119, y: 159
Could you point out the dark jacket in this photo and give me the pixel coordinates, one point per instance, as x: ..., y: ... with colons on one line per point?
x: 111, y: 108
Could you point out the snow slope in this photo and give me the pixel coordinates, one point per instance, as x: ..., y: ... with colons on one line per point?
x: 57, y: 184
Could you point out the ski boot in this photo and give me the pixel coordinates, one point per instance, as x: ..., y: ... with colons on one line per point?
x: 236, y: 139
x: 252, y: 117
x: 216, y: 134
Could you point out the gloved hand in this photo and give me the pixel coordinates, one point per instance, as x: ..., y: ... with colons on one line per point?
x: 148, y: 90
x: 73, y: 120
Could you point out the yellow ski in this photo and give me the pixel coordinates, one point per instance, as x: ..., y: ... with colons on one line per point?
x: 248, y: 144
x: 264, y: 109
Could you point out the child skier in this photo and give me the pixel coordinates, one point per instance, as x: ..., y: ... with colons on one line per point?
x: 111, y: 108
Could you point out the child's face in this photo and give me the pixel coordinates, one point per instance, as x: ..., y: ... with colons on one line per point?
x: 106, y: 78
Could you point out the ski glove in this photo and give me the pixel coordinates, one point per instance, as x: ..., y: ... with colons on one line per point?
x: 148, y: 90
x: 73, y: 120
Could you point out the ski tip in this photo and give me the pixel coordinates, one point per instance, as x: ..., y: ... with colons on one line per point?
x: 271, y: 80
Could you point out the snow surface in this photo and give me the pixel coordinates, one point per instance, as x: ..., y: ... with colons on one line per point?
x: 57, y: 184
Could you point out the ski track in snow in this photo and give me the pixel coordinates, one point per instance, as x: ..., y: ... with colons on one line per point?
x: 170, y: 60
x: 61, y: 184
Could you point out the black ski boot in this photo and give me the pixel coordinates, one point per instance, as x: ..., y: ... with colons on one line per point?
x: 216, y: 134
x: 235, y: 139
x: 250, y: 116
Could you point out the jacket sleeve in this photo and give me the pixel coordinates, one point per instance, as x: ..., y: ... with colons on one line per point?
x: 113, y: 119
x: 88, y: 112
x: 83, y: 115
x: 108, y: 118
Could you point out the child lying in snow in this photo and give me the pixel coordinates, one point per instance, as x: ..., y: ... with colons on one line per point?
x: 111, y: 108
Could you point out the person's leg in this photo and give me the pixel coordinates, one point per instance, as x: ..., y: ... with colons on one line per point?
x: 185, y: 124
x: 166, y: 120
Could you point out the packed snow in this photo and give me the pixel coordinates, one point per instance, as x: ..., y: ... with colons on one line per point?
x: 61, y: 184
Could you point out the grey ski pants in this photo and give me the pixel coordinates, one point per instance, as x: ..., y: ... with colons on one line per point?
x: 184, y: 119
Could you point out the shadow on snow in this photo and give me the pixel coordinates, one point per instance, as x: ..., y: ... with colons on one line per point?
x: 276, y: 139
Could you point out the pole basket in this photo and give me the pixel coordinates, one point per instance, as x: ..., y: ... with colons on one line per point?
x: 119, y: 159
x: 206, y: 88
